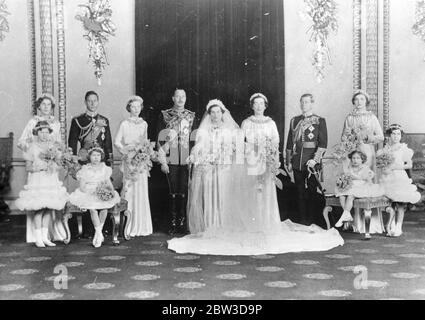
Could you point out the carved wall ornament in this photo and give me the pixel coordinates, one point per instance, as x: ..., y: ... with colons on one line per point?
x: 96, y: 18
x: 418, y: 27
x: 4, y: 24
x: 323, y: 15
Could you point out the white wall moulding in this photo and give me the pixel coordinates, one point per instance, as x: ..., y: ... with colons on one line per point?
x: 4, y: 24
x: 386, y: 64
x: 96, y: 17
x: 60, y: 34
x: 357, y: 39
x: 33, y: 52
x: 372, y: 53
x: 46, y: 41
x: 418, y: 27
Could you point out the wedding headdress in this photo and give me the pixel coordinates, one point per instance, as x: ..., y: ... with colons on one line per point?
x: 258, y: 95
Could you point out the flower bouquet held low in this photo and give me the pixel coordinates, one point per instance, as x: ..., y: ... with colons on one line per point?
x: 105, y: 191
x: 139, y: 159
x: 384, y: 160
x: 52, y: 157
x: 70, y: 163
x: 344, y: 182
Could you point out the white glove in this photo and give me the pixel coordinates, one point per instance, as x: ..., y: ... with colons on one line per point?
x: 311, y: 163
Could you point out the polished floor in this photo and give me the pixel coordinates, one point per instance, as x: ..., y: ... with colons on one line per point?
x: 143, y: 268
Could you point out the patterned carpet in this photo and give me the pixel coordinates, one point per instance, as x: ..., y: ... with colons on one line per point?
x: 143, y: 268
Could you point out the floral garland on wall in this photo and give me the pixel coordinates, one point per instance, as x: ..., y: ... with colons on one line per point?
x: 419, y: 25
x: 322, y: 14
x: 4, y: 24
x: 96, y: 18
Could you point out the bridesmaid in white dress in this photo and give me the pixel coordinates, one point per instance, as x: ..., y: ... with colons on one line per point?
x: 43, y: 111
x: 43, y: 192
x: 257, y: 129
x: 131, y: 132
x: 397, y: 184
x: 370, y: 133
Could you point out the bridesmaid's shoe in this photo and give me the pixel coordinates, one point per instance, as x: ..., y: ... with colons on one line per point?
x: 45, y: 239
x: 38, y: 239
x: 346, y: 216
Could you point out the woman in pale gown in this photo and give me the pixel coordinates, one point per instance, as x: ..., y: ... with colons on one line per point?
x: 250, y: 220
x: 43, y: 111
x: 131, y: 132
x: 369, y: 131
x: 210, y: 161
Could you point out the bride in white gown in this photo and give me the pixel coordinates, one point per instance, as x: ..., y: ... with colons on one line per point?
x: 249, y: 222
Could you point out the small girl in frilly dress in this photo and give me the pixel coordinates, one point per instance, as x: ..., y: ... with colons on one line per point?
x: 394, y: 179
x: 360, y: 185
x: 95, y: 192
x: 44, y: 192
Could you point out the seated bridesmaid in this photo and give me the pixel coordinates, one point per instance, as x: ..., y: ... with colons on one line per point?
x: 95, y: 192
x: 397, y: 185
x: 360, y: 185
x: 44, y: 192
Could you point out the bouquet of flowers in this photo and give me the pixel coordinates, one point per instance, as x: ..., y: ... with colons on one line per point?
x: 139, y: 159
x: 52, y: 156
x: 384, y: 160
x: 70, y: 163
x: 350, y: 141
x: 104, y: 191
x: 269, y: 153
x: 344, y: 182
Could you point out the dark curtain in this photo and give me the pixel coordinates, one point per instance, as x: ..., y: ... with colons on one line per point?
x: 225, y: 49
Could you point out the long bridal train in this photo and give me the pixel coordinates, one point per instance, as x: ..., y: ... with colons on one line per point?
x: 251, y: 227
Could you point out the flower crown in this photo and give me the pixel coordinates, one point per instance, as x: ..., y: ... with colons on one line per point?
x: 97, y: 149
x: 40, y: 126
x: 395, y: 126
x: 215, y: 102
x: 48, y: 96
x: 258, y: 95
x: 363, y: 92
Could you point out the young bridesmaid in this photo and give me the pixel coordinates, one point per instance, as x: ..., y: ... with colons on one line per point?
x: 95, y: 192
x: 44, y: 192
x: 361, y: 187
x: 132, y: 132
x: 398, y: 186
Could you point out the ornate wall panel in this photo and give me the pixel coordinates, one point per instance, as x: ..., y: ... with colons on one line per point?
x: 60, y: 33
x: 386, y: 65
x: 372, y: 53
x: 357, y: 49
x: 46, y: 46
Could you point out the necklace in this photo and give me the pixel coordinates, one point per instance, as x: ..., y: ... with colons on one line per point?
x: 255, y: 119
x: 135, y: 120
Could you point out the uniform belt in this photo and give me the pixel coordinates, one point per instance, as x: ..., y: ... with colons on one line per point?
x: 309, y: 144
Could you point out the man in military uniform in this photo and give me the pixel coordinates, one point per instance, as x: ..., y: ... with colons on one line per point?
x: 174, y: 137
x: 306, y: 144
x: 90, y: 129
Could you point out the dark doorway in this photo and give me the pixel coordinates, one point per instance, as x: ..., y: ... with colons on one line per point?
x: 225, y: 49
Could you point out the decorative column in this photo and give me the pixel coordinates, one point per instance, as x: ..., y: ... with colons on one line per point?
x: 357, y: 49
x: 46, y: 46
x: 372, y: 54
x: 60, y: 33
x: 386, y: 63
x: 33, y: 55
